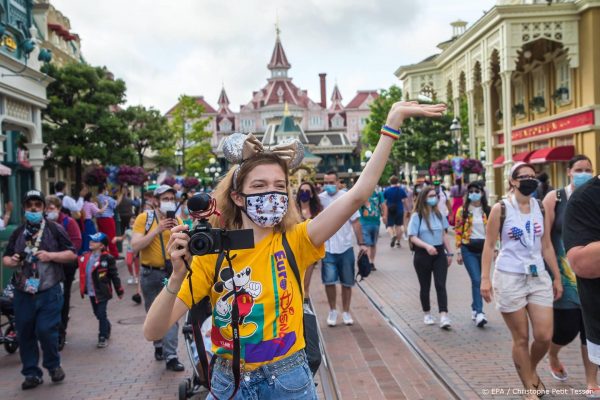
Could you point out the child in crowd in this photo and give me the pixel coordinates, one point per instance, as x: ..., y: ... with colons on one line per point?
x: 133, y: 261
x: 97, y: 270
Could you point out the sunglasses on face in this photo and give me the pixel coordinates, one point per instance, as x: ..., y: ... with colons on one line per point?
x: 523, y: 177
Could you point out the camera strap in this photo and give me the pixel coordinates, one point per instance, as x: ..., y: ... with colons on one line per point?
x: 235, y: 316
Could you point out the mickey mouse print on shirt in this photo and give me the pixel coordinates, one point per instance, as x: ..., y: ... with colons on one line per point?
x: 516, y: 233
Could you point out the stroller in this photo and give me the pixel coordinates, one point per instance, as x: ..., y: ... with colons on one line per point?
x: 8, y: 332
x: 192, y: 334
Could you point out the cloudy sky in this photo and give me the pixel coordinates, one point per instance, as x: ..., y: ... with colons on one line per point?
x: 163, y: 48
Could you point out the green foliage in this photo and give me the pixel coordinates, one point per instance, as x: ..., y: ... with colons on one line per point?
x: 192, y: 139
x: 149, y: 131
x: 79, y: 122
x: 423, y: 141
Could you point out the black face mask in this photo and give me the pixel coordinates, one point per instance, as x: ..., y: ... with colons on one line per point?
x: 527, y: 186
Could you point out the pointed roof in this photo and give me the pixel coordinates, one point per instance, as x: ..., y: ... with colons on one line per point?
x: 362, y: 99
x: 224, y: 103
x: 336, y: 99
x: 279, y: 59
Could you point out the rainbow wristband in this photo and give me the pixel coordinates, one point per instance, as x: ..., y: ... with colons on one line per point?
x: 390, y: 132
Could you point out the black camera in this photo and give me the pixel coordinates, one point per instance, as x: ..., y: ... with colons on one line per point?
x: 204, y: 239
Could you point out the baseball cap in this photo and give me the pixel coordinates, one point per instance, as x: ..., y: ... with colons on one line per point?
x: 163, y: 189
x: 34, y: 195
x: 99, y: 237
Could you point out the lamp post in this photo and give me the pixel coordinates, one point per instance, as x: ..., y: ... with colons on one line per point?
x: 179, y: 160
x: 456, y: 131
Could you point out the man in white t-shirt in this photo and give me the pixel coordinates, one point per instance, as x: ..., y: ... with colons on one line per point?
x: 338, y: 264
x: 70, y: 206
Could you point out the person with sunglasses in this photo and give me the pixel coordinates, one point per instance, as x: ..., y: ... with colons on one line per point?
x: 521, y: 285
x: 470, y: 223
x: 433, y: 254
x: 568, y: 318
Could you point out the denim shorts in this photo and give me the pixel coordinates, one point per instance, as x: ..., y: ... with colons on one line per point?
x: 289, y: 378
x: 370, y: 233
x: 338, y: 268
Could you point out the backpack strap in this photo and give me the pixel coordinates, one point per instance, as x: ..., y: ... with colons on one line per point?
x: 502, y: 215
x: 292, y: 260
x: 541, y: 207
x: 149, y: 221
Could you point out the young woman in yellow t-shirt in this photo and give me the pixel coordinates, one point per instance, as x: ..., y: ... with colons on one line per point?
x: 255, y: 195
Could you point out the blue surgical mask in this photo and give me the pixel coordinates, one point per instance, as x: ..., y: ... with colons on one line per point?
x: 475, y: 196
x: 432, y: 201
x: 330, y: 189
x: 34, y: 217
x: 580, y: 178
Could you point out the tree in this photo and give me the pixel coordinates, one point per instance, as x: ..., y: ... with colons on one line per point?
x: 423, y: 141
x: 80, y: 123
x: 188, y: 126
x: 148, y: 130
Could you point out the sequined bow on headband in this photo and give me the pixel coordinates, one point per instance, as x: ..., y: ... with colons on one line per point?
x: 238, y: 148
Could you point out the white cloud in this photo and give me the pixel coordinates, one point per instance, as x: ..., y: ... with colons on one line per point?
x: 165, y: 48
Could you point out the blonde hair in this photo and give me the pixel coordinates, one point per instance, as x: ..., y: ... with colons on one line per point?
x: 231, y: 214
x: 51, y: 199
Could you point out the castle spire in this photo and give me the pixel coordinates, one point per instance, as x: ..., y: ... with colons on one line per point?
x: 279, y: 63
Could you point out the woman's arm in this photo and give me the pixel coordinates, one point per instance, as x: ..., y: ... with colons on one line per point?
x: 550, y: 258
x: 492, y: 232
x: 331, y: 219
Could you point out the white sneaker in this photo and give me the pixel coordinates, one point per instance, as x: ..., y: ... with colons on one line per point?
x: 130, y: 280
x: 347, y: 318
x: 136, y: 280
x: 332, y: 318
x: 428, y: 319
x: 480, y: 320
x: 473, y: 315
x: 445, y: 322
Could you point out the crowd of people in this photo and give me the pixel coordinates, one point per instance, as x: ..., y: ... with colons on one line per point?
x: 542, y: 242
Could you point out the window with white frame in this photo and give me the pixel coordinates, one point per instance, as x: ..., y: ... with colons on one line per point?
x: 362, y: 122
x: 225, y: 125
x: 519, y: 91
x: 539, y: 83
x: 337, y: 121
x: 315, y: 121
x: 247, y: 124
x: 563, y: 80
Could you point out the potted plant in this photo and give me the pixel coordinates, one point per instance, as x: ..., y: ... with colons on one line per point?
x: 538, y: 103
x: 95, y: 176
x: 498, y: 115
x: 135, y: 176
x: 441, y: 168
x: 472, y: 166
x: 561, y: 94
x: 169, y: 180
x: 190, y: 182
x: 518, y: 110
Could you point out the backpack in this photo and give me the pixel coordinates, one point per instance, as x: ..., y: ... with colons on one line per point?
x: 503, y: 212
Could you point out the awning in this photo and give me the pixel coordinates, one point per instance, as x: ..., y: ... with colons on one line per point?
x: 5, y: 171
x: 552, y: 154
x: 523, y: 156
x: 499, y: 162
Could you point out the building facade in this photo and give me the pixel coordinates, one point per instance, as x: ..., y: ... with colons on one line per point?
x: 528, y: 74
x: 22, y: 98
x: 330, y: 133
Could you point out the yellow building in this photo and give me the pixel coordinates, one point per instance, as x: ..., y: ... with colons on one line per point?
x: 528, y: 67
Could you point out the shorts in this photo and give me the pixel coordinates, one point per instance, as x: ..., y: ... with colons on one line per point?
x: 395, y: 219
x: 338, y: 268
x: 568, y: 322
x: 514, y: 291
x: 370, y: 234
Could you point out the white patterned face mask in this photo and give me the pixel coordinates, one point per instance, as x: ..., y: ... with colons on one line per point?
x: 266, y: 209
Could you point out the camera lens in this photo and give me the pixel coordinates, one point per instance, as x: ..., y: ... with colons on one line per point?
x: 200, y: 244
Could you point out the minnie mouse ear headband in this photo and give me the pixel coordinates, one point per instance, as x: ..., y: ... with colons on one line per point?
x: 238, y: 148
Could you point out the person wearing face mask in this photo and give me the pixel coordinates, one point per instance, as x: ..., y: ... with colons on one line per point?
x: 338, y: 264
x: 568, y: 319
x: 469, y: 229
x: 309, y: 203
x: 522, y: 287
x: 432, y: 253
x: 54, y: 212
x: 37, y: 250
x: 151, y: 233
x: 261, y: 291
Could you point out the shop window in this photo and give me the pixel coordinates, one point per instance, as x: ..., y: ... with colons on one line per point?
x: 519, y: 104
x: 539, y: 100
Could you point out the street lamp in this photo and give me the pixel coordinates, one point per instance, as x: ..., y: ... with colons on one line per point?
x: 179, y: 159
x: 456, y: 131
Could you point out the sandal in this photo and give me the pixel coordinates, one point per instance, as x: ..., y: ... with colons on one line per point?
x: 593, y: 393
x: 541, y: 391
x: 559, y: 374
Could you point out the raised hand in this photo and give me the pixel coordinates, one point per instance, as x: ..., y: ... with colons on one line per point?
x: 407, y: 109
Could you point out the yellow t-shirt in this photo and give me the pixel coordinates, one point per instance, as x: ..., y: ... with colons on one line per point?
x: 152, y: 255
x: 269, y: 299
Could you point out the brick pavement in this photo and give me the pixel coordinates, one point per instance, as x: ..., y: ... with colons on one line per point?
x: 126, y: 369
x: 472, y: 359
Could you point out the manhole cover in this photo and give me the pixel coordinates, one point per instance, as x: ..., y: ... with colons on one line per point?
x: 132, y: 321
